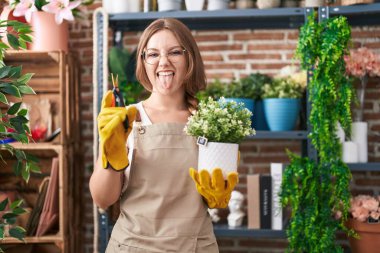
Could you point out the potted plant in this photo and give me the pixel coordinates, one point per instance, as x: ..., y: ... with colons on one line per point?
x: 48, y: 21
x: 253, y: 85
x: 216, y: 89
x: 219, y: 126
x: 13, y: 123
x: 317, y: 188
x: 361, y: 64
x: 364, y: 220
x: 282, y: 103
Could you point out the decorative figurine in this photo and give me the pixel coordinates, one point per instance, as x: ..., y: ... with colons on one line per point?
x: 235, y: 218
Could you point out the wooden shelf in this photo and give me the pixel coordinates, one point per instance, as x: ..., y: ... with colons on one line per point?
x: 41, y: 239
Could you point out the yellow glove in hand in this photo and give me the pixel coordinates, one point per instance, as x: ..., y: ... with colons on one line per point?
x: 215, y: 189
x: 112, y: 133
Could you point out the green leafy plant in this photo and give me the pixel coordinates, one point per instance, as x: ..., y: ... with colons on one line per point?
x: 13, y: 121
x: 123, y: 63
x: 220, y: 121
x: 318, y: 189
x: 253, y: 84
x: 283, y: 88
x: 247, y: 87
x: 215, y: 90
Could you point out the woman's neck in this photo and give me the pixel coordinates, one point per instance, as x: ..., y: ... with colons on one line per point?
x: 166, y: 103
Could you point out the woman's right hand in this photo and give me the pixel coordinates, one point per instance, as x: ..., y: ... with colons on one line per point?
x: 112, y: 133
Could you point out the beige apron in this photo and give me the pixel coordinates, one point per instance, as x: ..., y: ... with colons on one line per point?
x: 161, y: 211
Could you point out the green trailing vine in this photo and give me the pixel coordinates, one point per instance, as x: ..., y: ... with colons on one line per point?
x: 317, y: 190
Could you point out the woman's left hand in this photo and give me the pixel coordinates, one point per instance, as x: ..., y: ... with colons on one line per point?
x: 214, y: 188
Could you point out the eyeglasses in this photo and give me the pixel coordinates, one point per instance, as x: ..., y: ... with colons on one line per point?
x: 152, y: 57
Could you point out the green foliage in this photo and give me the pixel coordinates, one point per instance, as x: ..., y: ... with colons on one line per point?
x: 247, y: 87
x: 13, y: 120
x: 316, y: 190
x: 17, y: 34
x: 282, y: 88
x: 215, y: 90
x: 220, y: 121
x: 122, y: 63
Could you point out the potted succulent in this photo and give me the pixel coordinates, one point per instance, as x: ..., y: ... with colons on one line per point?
x: 364, y: 220
x: 282, y: 103
x: 219, y: 126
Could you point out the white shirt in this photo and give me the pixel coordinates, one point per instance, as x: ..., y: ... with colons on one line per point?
x: 145, y: 121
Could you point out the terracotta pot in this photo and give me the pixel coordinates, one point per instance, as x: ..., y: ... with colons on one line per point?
x: 47, y: 34
x: 369, y: 237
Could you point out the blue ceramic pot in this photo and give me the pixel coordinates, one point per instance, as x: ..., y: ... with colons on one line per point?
x: 282, y: 113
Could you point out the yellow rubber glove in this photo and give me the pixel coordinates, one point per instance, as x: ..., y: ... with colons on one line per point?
x: 214, y: 189
x: 112, y: 133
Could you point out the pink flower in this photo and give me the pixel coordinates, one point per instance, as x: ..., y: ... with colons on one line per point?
x: 363, y: 207
x: 25, y: 8
x: 362, y: 62
x: 62, y: 9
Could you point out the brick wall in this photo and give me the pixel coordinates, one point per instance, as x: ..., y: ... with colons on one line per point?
x: 228, y: 55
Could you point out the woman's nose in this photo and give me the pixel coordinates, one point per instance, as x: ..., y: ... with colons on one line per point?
x: 164, y: 60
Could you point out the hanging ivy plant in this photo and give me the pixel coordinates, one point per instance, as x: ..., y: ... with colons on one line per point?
x: 318, y: 190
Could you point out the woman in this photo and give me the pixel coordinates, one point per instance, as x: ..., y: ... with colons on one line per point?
x: 161, y: 210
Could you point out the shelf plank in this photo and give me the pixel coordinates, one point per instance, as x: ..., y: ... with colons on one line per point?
x: 225, y: 231
x: 364, y: 166
x: 280, y: 135
x: 33, y: 239
x: 278, y: 18
x: 358, y: 15
x: 37, y: 146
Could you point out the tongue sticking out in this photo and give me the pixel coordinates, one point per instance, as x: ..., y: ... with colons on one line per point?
x: 166, y: 80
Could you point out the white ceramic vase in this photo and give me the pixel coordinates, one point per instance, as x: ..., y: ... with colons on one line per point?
x: 121, y: 6
x: 350, y: 152
x: 169, y: 5
x: 218, y: 155
x: 194, y: 5
x: 265, y: 4
x: 360, y: 137
x: 213, y: 5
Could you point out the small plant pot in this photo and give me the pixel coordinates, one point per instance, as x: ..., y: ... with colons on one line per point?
x: 218, y: 155
x: 282, y: 113
x: 169, y: 5
x: 369, y: 236
x: 360, y: 137
x: 194, y: 5
x: 259, y: 121
x: 265, y: 4
x: 217, y: 5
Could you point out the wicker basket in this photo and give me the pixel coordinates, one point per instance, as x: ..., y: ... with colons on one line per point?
x: 351, y: 2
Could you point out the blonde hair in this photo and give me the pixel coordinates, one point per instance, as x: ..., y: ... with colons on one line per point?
x: 195, y: 78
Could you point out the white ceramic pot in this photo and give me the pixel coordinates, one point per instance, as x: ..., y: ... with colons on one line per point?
x: 213, y: 5
x: 169, y: 5
x: 218, y: 155
x: 314, y: 3
x: 194, y: 5
x: 350, y: 152
x: 121, y: 6
x: 360, y: 137
x: 265, y: 4
x: 244, y: 4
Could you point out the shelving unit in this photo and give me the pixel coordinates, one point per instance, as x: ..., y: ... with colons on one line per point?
x: 276, y: 18
x: 56, y: 79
